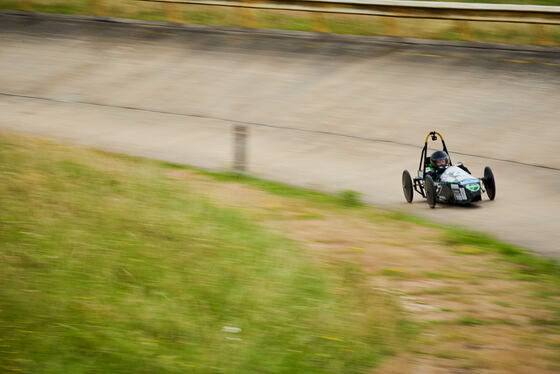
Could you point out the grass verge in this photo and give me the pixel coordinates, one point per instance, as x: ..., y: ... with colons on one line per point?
x: 117, y: 263
x: 528, y: 266
x: 110, y: 266
x: 459, y: 240
x: 301, y: 21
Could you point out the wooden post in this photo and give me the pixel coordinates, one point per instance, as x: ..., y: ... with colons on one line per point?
x: 240, y: 133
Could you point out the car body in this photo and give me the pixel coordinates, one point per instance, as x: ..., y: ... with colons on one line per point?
x: 457, y: 186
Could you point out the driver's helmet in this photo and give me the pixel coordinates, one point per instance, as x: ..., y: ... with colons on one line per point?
x: 439, y: 161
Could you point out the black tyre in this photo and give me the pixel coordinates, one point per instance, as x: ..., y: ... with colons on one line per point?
x: 430, y: 188
x: 407, y: 186
x: 489, y: 183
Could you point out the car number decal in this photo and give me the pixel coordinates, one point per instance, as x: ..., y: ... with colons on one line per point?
x: 474, y: 187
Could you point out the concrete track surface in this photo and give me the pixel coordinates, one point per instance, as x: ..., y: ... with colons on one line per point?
x: 324, y: 111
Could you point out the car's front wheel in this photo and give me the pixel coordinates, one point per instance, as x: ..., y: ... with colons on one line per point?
x: 489, y: 183
x: 430, y: 187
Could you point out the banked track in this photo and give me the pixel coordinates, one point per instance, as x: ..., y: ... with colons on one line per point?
x: 324, y: 111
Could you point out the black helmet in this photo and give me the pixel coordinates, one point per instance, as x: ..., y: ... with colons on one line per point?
x: 439, y: 161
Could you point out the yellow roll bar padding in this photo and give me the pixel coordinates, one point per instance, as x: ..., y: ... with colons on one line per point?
x: 437, y: 133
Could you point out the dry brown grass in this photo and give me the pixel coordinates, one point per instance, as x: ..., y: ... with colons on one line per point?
x: 477, y: 318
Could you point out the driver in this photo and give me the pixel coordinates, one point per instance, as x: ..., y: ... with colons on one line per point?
x: 439, y: 162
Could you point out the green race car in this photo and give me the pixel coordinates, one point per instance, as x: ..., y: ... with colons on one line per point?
x: 440, y: 181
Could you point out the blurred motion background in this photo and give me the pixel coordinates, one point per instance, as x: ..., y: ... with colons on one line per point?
x: 420, y: 27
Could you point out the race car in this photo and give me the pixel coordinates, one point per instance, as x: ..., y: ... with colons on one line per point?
x: 439, y: 181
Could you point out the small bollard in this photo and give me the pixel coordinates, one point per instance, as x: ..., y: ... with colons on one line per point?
x: 240, y: 148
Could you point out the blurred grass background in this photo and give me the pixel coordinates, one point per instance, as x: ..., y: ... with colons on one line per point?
x: 108, y: 265
x: 112, y: 263
x: 282, y: 20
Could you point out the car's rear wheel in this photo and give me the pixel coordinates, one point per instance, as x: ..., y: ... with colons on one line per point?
x: 489, y: 183
x: 430, y: 187
x: 407, y: 186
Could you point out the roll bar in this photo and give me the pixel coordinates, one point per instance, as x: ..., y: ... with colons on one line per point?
x: 424, y: 161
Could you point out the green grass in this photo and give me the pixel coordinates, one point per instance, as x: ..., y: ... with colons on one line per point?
x: 504, y: 304
x: 346, y: 198
x: 460, y: 241
x: 448, y: 355
x: 473, y: 321
x: 552, y: 321
x: 350, y: 198
x: 109, y: 266
x: 393, y: 273
x: 299, y: 21
x: 444, y: 275
x: 470, y: 321
x: 437, y: 291
x: 527, y: 266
